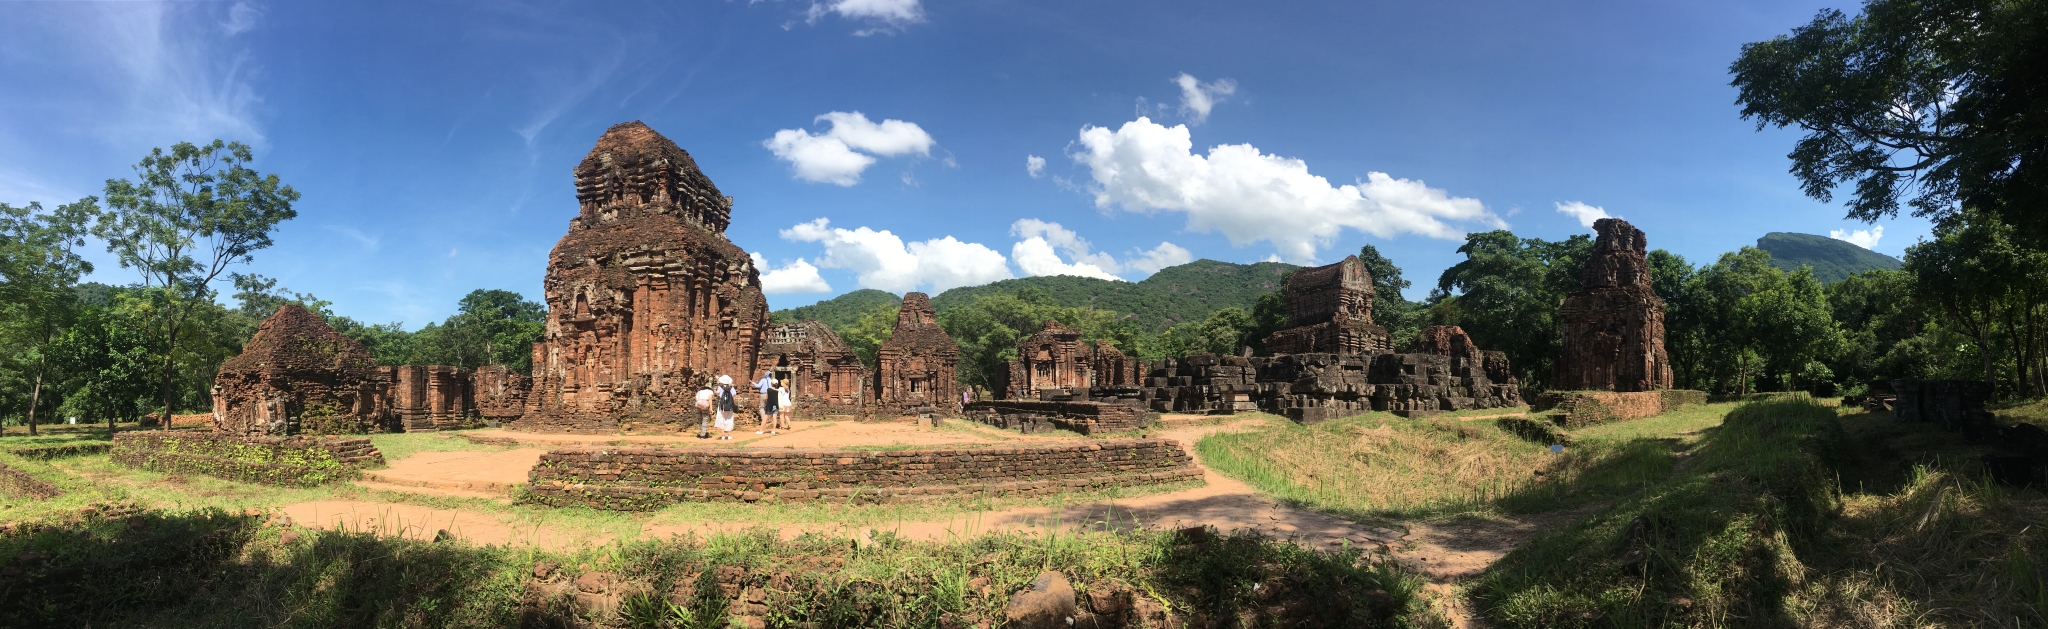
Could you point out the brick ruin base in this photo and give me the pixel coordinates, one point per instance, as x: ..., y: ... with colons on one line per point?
x: 635, y: 479
x: 1087, y: 418
x: 1310, y: 388
x: 289, y: 461
x: 1572, y: 409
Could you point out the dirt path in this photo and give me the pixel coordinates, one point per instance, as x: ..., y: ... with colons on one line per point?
x: 1445, y: 552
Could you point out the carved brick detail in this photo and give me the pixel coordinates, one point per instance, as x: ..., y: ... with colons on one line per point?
x: 823, y: 375
x: 916, y: 368
x: 1329, y: 311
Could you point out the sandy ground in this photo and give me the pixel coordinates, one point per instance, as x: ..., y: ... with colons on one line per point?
x: 1445, y: 552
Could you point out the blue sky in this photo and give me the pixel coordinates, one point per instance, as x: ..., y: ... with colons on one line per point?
x: 433, y: 141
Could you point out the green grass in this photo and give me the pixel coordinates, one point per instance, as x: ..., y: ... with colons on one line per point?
x: 395, y: 446
x: 208, y: 568
x: 1378, y: 467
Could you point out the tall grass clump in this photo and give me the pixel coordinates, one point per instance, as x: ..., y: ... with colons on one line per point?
x: 1718, y: 543
x: 1377, y: 466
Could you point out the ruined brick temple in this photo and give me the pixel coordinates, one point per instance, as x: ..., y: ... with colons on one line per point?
x: 916, y: 369
x: 647, y: 299
x: 296, y: 364
x: 1613, y: 327
x: 297, y: 375
x: 1329, y: 311
x: 1055, y: 359
x: 823, y: 375
x: 1331, y: 362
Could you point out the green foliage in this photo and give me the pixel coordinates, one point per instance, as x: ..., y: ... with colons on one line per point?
x: 839, y: 312
x: 1936, y: 103
x: 1223, y: 332
x: 989, y: 327
x: 1744, y: 315
x: 492, y: 327
x: 225, y: 457
x: 1188, y: 292
x: 189, y: 214
x: 868, y: 331
x: 1832, y: 260
x: 39, y: 266
x: 1988, y: 287
x: 1505, y: 295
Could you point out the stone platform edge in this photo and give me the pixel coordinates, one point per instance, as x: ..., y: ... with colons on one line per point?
x: 647, y: 478
x: 1575, y: 409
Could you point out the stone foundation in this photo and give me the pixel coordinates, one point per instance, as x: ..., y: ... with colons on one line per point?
x: 1087, y: 418
x: 632, y: 479
x: 1573, y: 409
x: 287, y: 461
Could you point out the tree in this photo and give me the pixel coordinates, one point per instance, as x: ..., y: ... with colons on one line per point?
x: 1764, y: 320
x: 39, y: 267
x: 489, y: 327
x: 1934, y: 102
x: 104, y: 357
x: 1223, y: 333
x: 1391, y: 309
x: 190, y: 213
x: 1977, y: 278
x: 1505, y: 294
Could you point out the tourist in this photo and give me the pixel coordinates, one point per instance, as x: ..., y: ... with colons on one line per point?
x: 771, y: 408
x: 727, y: 407
x: 765, y: 388
x: 784, y: 407
x: 704, y: 403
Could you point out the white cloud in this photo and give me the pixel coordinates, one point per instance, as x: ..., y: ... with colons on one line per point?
x: 886, y: 16
x: 179, y: 82
x: 1038, y: 252
x: 1165, y: 255
x: 1865, y: 238
x: 367, y: 241
x: 882, y: 260
x: 1034, y: 166
x: 840, y: 154
x: 796, y: 277
x: 1197, y: 98
x: 1585, y: 213
x: 1250, y: 196
x: 241, y: 18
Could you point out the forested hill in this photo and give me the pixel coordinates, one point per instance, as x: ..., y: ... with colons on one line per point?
x: 1174, y: 294
x: 1832, y: 260
x: 839, y: 312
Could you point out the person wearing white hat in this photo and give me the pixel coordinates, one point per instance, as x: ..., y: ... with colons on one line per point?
x: 727, y: 407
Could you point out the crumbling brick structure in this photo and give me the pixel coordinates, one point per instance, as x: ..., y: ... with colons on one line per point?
x: 1329, y: 311
x: 1056, y: 359
x: 823, y: 375
x: 646, y: 297
x: 916, y: 368
x: 1614, y: 326
x: 498, y: 393
x: 631, y: 479
x: 297, y: 366
x: 430, y: 397
x: 1030, y: 416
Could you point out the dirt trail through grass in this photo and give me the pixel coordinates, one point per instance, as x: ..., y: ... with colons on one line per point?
x: 1445, y: 552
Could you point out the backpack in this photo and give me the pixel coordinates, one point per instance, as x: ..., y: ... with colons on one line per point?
x: 725, y: 402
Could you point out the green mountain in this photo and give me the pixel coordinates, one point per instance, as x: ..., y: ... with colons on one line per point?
x: 1832, y: 260
x: 840, y: 311
x: 1174, y: 294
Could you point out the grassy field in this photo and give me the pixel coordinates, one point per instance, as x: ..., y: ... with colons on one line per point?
x: 1754, y: 528
x: 1379, y: 467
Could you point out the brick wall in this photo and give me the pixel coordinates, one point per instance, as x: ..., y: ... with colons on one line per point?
x: 1087, y: 418
x: 289, y: 461
x: 1572, y: 409
x: 648, y: 478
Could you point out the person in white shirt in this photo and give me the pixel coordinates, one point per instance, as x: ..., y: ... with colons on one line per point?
x: 704, y: 404
x: 766, y: 388
x: 727, y: 406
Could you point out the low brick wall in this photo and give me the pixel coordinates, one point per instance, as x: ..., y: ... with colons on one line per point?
x: 1087, y: 418
x: 630, y: 479
x: 286, y: 461
x: 1573, y: 409
x: 60, y: 450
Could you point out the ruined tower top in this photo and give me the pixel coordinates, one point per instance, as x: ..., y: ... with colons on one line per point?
x: 635, y: 172
x: 1336, y: 292
x: 294, y: 340
x: 1618, y: 258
